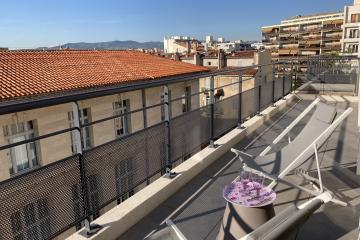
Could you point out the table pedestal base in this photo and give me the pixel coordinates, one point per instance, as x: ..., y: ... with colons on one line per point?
x: 239, y: 221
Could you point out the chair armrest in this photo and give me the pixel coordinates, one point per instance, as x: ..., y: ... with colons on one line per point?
x: 238, y: 153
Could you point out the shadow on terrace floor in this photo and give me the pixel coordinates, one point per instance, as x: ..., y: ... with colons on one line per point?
x: 198, y: 207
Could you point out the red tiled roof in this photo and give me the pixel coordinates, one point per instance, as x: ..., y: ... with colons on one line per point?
x: 241, y: 54
x: 245, y: 72
x: 24, y: 73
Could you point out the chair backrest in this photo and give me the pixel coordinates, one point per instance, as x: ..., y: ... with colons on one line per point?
x: 323, y: 116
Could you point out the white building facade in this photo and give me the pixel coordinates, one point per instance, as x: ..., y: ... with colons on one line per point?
x: 351, y: 38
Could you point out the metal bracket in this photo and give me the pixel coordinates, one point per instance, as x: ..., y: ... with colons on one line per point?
x: 169, y: 174
x: 91, y: 228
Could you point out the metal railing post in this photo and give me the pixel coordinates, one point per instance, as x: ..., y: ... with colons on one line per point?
x: 167, y: 102
x: 259, y: 94
x: 292, y: 77
x: 357, y: 90
x: 143, y: 100
x: 240, y: 99
x: 212, y: 112
x: 357, y: 81
x: 283, y: 80
x: 259, y: 101
x: 273, y: 85
x: 89, y: 227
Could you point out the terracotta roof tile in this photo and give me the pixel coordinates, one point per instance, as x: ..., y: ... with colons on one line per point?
x: 24, y: 73
x: 245, y: 72
x: 241, y: 54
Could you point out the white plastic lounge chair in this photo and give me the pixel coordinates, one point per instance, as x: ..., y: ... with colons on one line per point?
x: 276, y: 165
x: 287, y: 223
x: 171, y: 232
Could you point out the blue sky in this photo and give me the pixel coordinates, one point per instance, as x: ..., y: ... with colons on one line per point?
x: 34, y: 23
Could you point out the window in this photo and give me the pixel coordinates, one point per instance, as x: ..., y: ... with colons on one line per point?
x: 186, y: 101
x: 220, y: 93
x: 354, y: 33
x: 32, y: 222
x: 355, y: 18
x: 208, y: 100
x: 121, y: 123
x: 22, y: 157
x: 124, y: 179
x: 86, y: 141
x: 353, y: 48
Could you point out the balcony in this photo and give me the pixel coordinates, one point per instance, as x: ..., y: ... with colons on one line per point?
x: 288, y: 40
x: 311, y: 30
x: 330, y: 28
x: 194, y: 143
x: 271, y: 34
x: 197, y: 208
x: 334, y: 47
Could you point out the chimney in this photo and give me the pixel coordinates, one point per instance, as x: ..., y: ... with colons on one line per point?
x: 188, y: 46
x: 221, y: 59
x: 177, y: 56
x: 198, y: 59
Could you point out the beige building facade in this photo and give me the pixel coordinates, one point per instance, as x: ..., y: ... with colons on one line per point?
x: 55, y: 118
x: 350, y: 36
x: 303, y: 36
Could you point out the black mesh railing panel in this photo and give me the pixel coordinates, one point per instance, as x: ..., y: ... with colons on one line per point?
x: 226, y: 115
x: 278, y: 88
x: 288, y: 82
x: 337, y: 77
x: 331, y: 75
x: 42, y: 203
x: 189, y: 132
x: 249, y: 103
x: 116, y: 168
x: 266, y: 94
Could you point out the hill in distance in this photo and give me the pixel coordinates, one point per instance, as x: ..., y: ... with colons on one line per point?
x: 112, y: 45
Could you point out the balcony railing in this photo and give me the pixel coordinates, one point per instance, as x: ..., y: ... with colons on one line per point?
x: 304, y: 30
x: 329, y: 38
x: 332, y: 28
x: 331, y: 74
x: 53, y: 198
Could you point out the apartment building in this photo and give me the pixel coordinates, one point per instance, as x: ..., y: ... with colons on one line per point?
x: 350, y: 35
x: 32, y: 76
x: 216, y: 60
x: 303, y: 36
x: 180, y: 44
